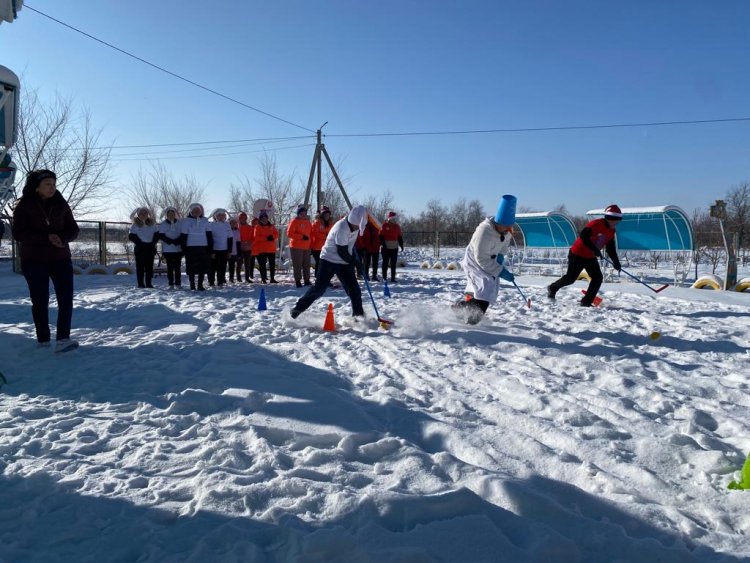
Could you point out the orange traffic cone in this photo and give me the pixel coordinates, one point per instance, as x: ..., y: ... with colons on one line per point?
x: 329, y: 324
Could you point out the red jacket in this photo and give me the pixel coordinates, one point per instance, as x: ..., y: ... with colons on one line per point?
x: 390, y: 236
x: 596, y: 234
x: 369, y: 241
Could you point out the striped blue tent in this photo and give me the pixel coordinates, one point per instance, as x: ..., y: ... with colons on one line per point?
x: 656, y: 229
x: 550, y: 229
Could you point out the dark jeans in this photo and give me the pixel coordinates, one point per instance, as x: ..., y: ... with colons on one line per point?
x: 37, y: 276
x: 372, y: 258
x: 576, y: 264
x: 316, y: 257
x: 234, y: 266
x: 218, y: 271
x: 174, y: 267
x: 326, y: 271
x: 144, y: 264
x: 248, y: 262
x: 270, y: 258
x: 389, y: 260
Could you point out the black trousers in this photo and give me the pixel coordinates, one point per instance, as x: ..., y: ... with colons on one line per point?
x: 144, y: 264
x: 38, y: 275
x: 218, y: 271
x: 576, y: 264
x: 233, y: 266
x: 316, y: 256
x: 270, y: 259
x: 371, y: 259
x: 174, y: 267
x: 389, y: 260
x: 326, y: 271
x: 248, y: 262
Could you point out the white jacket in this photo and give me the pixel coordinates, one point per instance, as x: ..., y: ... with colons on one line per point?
x: 173, y: 231
x: 221, y: 231
x: 480, y: 260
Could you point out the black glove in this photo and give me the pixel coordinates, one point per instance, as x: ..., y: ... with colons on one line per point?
x: 402, y: 249
x: 598, y: 253
x: 616, y: 265
x: 269, y: 238
x: 305, y: 237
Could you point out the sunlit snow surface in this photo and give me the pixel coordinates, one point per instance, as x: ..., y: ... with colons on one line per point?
x: 192, y: 427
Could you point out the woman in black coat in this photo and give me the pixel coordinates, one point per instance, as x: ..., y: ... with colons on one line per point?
x: 43, y: 224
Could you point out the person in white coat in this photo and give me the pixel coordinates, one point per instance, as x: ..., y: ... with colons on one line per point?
x: 197, y: 243
x: 484, y: 261
x: 221, y: 232
x: 143, y: 234
x: 170, y: 230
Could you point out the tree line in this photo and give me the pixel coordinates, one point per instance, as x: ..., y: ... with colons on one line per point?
x: 58, y: 137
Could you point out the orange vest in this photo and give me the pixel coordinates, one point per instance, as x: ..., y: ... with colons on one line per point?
x: 319, y: 233
x: 298, y: 228
x: 261, y: 244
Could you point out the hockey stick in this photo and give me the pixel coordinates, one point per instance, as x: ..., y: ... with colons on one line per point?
x: 526, y: 299
x: 384, y: 323
x: 639, y: 280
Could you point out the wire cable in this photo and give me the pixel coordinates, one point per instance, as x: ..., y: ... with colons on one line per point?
x: 537, y: 129
x: 211, y: 155
x: 206, y: 88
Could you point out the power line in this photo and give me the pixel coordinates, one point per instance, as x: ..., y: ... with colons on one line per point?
x: 206, y: 88
x: 223, y: 147
x: 537, y: 129
x: 208, y: 142
x: 211, y: 155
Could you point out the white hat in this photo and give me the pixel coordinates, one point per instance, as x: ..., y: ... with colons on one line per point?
x: 358, y: 216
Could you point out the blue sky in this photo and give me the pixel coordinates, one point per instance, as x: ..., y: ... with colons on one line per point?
x: 407, y: 66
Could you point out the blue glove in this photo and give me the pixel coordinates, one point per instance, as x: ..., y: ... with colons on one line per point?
x: 500, y: 259
x: 507, y: 275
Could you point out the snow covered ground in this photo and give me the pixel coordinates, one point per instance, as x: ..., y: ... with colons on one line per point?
x: 193, y: 427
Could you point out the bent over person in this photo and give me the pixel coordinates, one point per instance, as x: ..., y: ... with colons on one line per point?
x: 337, y: 259
x: 585, y: 252
x: 43, y: 224
x: 484, y: 261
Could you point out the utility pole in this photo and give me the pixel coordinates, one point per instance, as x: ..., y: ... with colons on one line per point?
x: 316, y: 172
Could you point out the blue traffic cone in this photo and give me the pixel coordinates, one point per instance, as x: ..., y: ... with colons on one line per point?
x: 262, y: 300
x: 386, y: 291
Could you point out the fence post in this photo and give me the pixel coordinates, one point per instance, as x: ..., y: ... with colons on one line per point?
x: 436, y: 252
x: 103, y: 243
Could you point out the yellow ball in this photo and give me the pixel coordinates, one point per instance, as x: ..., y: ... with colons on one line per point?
x: 655, y: 335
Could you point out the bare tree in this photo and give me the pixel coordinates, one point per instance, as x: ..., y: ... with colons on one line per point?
x: 738, y: 211
x: 157, y: 188
x: 379, y: 205
x: 59, y: 139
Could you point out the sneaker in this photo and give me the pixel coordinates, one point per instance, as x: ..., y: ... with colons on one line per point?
x: 298, y: 284
x: 46, y: 344
x: 295, y: 313
x: 550, y: 293
x: 65, y: 345
x: 273, y: 281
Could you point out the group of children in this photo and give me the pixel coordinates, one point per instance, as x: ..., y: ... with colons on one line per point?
x: 209, y: 247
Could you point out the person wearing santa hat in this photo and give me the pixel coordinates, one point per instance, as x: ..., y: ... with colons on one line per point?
x: 587, y: 250
x: 390, y: 240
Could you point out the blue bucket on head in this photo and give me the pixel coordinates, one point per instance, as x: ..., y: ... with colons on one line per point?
x: 506, y: 211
